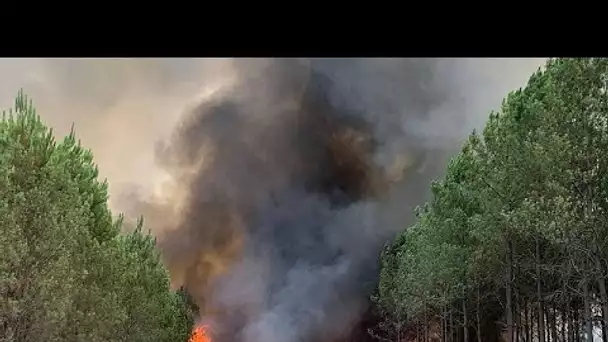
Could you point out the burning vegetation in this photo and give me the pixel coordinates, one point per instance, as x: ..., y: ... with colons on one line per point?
x: 200, y: 334
x: 287, y: 183
x: 280, y: 190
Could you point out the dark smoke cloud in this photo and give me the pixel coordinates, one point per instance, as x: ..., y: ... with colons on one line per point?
x: 285, y: 177
x: 295, y: 178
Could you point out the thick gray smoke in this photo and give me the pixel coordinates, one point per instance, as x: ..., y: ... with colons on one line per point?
x: 293, y: 180
x: 283, y: 179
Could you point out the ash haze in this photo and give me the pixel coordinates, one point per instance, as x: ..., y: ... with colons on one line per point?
x: 271, y: 184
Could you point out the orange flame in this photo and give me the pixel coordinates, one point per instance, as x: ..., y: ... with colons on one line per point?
x: 200, y: 335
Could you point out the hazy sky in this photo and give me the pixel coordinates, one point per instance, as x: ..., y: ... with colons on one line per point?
x: 121, y: 107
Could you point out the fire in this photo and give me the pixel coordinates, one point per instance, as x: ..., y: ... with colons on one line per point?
x: 200, y: 335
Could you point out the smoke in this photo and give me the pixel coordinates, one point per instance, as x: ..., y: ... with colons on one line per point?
x: 120, y: 107
x: 281, y: 178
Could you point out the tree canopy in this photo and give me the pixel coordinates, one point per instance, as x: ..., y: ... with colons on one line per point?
x: 67, y: 273
x: 512, y: 241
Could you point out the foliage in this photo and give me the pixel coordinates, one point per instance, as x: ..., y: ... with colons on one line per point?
x: 513, y: 236
x: 66, y: 272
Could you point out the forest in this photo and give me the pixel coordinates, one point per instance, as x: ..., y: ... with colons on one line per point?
x: 69, y: 271
x: 511, y: 245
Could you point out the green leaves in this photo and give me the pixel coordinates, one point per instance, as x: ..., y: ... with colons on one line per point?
x: 522, y: 208
x: 66, y: 274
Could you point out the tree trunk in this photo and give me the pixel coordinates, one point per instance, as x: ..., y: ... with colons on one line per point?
x: 587, y: 315
x: 509, y: 290
x: 553, y: 323
x: 517, y: 320
x: 572, y: 325
x: 577, y: 323
x: 533, y: 323
x: 550, y: 324
x: 478, y: 313
x: 539, y: 295
x: 465, y: 321
x: 426, y: 322
x: 601, y: 283
x: 564, y: 320
x: 451, y: 333
x: 399, y: 332
x: 528, y: 322
x: 444, y: 327
x: 604, y: 328
x: 547, y: 323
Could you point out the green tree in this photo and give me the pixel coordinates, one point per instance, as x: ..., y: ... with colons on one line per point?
x: 514, y: 232
x: 66, y: 271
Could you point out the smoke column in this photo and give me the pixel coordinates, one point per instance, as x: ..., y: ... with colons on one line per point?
x: 281, y: 178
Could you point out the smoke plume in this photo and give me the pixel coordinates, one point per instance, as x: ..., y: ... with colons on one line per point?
x: 281, y: 178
